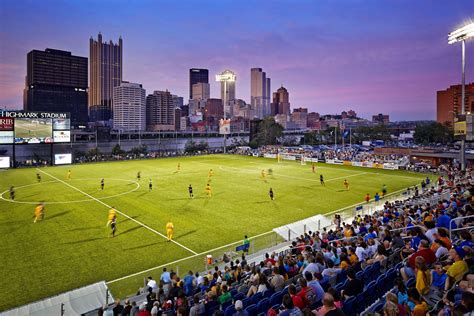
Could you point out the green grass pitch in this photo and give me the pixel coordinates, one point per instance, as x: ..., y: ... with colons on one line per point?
x: 72, y: 247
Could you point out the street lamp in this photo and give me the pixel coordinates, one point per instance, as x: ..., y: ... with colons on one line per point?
x: 461, y: 35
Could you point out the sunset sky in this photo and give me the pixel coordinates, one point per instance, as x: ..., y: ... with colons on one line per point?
x: 370, y: 56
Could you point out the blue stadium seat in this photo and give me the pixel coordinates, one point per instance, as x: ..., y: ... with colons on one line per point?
x: 378, y: 307
x: 339, y: 287
x: 252, y: 310
x: 276, y: 298
x: 380, y: 285
x: 268, y: 293
x: 229, y: 311
x: 263, y: 305
x: 371, y: 292
x: 225, y: 305
x: 211, y: 307
x: 325, y: 285
x: 238, y: 296
x: 367, y: 275
x: 411, y: 283
x: 348, y: 308
x: 360, y: 275
x: 233, y: 292
x: 342, y: 276
x: 246, y: 302
x: 359, y: 303
x: 254, y: 299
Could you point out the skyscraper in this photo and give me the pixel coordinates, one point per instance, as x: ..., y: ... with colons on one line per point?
x: 197, y: 75
x: 129, y: 110
x: 201, y: 91
x: 105, y: 73
x: 56, y: 81
x: 281, y: 102
x: 227, y: 79
x: 448, y: 103
x: 260, y: 92
x: 160, y: 111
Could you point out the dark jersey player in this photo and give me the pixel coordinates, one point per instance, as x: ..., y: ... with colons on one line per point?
x: 190, y: 190
x: 12, y: 193
x: 102, y: 184
x: 321, y: 179
x: 270, y: 193
x: 38, y: 177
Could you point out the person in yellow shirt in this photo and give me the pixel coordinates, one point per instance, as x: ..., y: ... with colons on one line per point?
x: 421, y: 308
x: 210, y: 173
x: 178, y: 168
x: 112, y: 215
x: 263, y: 175
x: 457, y: 270
x: 423, y: 276
x: 208, y: 190
x: 346, y: 184
x: 69, y: 174
x: 39, y: 212
x: 169, y: 230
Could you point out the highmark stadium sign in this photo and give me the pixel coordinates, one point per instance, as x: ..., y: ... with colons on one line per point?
x: 33, y: 115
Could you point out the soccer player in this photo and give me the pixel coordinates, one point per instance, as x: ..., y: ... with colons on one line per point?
x: 113, y: 225
x: 270, y: 193
x: 39, y: 212
x: 270, y: 172
x: 190, y: 190
x: 169, y: 230
x: 38, y: 177
x: 321, y: 179
x: 384, y: 190
x: 139, y: 175
x: 12, y: 193
x: 313, y: 167
x: 367, y: 198
x: 263, y: 174
x: 208, y: 190
x: 178, y: 167
x: 210, y: 173
x: 246, y: 244
x: 346, y: 184
x: 150, y: 185
x: 69, y: 174
x: 102, y: 183
x: 112, y: 215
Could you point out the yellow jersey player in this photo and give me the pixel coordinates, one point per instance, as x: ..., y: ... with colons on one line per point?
x: 346, y: 184
x: 39, y: 212
x: 208, y: 190
x: 169, y: 230
x: 263, y: 174
x: 178, y: 167
x: 210, y: 173
x: 69, y: 174
x: 112, y: 215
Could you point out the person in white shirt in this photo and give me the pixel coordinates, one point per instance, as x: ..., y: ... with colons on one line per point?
x: 442, y: 250
x: 152, y: 284
x: 431, y: 231
x: 361, y: 251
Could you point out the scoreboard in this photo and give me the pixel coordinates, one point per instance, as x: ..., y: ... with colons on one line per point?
x: 23, y: 127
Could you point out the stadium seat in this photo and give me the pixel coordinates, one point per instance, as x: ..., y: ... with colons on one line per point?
x: 339, y: 287
x: 229, y: 311
x: 359, y: 303
x: 246, y: 302
x: 276, y: 298
x: 342, y: 276
x: 233, y: 292
x: 371, y: 292
x: 268, y: 293
x: 380, y: 286
x: 325, y: 285
x: 238, y: 296
x: 252, y: 310
x: 348, y: 307
x: 360, y: 275
x: 367, y: 275
x: 254, y: 299
x: 211, y: 307
x: 225, y: 305
x: 263, y: 305
x: 411, y: 283
x: 377, y: 307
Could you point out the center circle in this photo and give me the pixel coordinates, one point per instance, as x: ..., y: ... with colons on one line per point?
x: 137, y: 186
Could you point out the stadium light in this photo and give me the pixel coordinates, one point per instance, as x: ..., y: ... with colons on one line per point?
x: 461, y: 35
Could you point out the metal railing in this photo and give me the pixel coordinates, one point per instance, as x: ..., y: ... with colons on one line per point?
x: 451, y: 230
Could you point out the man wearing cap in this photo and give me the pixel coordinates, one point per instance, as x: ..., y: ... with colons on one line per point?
x: 457, y: 270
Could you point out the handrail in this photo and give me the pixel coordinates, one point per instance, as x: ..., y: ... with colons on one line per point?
x: 457, y: 218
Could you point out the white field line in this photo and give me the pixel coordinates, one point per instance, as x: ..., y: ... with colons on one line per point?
x: 186, y: 258
x: 123, y: 214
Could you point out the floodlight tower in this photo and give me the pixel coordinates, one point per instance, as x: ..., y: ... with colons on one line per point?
x: 461, y: 35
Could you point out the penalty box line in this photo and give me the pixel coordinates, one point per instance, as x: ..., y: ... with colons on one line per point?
x: 121, y: 213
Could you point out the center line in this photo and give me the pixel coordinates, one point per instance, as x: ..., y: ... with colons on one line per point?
x: 123, y: 214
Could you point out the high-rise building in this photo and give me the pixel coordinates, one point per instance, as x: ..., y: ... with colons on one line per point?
x: 448, y: 102
x: 197, y: 75
x: 281, y: 102
x: 56, y: 81
x: 129, y: 111
x: 201, y: 91
x: 227, y: 79
x: 260, y: 92
x: 178, y: 101
x: 105, y: 64
x: 213, y: 110
x: 160, y: 111
x: 300, y: 117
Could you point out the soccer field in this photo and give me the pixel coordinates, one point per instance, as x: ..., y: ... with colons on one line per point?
x: 71, y: 247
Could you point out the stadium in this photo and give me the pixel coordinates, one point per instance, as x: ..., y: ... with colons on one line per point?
x: 125, y: 201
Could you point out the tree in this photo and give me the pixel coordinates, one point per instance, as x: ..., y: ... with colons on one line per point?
x: 268, y: 132
x: 192, y: 146
x: 116, y: 150
x: 433, y: 133
x: 139, y: 150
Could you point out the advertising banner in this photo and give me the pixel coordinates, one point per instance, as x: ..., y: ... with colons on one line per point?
x: 61, y: 136
x: 224, y: 127
x: 62, y: 159
x: 4, y: 162
x: 6, y: 124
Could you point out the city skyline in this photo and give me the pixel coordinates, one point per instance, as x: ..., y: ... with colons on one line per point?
x: 368, y: 56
